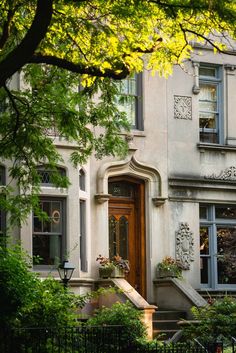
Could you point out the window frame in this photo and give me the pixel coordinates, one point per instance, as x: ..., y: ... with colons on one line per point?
x: 63, y: 245
x: 213, y: 223
x: 217, y: 81
x: 138, y: 125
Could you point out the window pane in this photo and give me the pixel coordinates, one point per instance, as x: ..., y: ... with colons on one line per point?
x: 210, y: 137
x: 203, y: 212
x: 127, y: 99
x: 208, y: 112
x: 208, y: 71
x: 112, y: 236
x: 123, y: 237
x: 83, y: 240
x: 56, y: 217
x: 82, y: 180
x: 207, y: 121
x: 128, y: 105
x: 48, y: 248
x: 124, y: 86
x: 207, y: 106
x: 118, y: 236
x: 37, y: 225
x: 208, y: 92
x: 204, y: 263
x: 225, y: 212
x: 47, y: 175
x: 47, y: 208
x: 204, y: 240
x: 132, y: 86
x: 122, y: 189
x: 226, y: 255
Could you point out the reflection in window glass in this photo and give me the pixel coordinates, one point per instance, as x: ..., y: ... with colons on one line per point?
x: 204, y: 240
x: 226, y: 255
x: 226, y: 212
x: 204, y: 251
x: 218, y: 246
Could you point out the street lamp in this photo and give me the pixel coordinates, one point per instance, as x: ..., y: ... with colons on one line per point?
x: 65, y: 271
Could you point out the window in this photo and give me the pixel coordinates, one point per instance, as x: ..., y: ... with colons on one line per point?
x: 47, y: 176
x: 83, y: 245
x: 82, y: 179
x: 130, y: 100
x: 210, y: 104
x: 49, y: 234
x: 218, y: 245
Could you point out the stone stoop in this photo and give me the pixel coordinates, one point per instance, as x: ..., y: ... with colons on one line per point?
x: 216, y: 294
x: 165, y: 323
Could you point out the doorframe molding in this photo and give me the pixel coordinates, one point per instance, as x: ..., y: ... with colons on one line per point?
x: 131, y: 167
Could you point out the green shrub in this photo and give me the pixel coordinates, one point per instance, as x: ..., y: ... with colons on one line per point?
x: 214, y: 321
x: 51, y: 306
x: 123, y: 314
x: 16, y: 283
x: 26, y: 300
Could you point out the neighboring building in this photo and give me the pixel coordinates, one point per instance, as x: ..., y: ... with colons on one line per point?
x: 173, y: 195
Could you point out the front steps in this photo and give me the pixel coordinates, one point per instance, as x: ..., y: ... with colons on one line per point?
x: 209, y: 295
x: 165, y: 324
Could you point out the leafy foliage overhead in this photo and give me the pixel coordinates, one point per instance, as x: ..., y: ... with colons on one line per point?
x: 107, y: 38
x: 59, y: 43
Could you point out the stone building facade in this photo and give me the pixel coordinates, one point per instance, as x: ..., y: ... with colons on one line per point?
x: 173, y: 195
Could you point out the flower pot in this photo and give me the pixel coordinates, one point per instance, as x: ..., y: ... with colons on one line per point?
x: 105, y: 272
x: 118, y: 272
x: 163, y: 273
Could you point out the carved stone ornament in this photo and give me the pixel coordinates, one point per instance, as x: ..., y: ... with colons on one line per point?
x: 101, y: 198
x: 184, y: 245
x: 183, y: 107
x: 228, y: 174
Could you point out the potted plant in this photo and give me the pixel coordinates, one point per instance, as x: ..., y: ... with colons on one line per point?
x: 169, y: 267
x: 115, y: 267
x: 121, y: 266
x: 106, y: 266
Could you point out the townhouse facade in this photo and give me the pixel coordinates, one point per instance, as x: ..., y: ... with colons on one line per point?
x: 173, y: 195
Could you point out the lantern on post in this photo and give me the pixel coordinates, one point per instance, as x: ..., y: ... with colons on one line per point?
x: 65, y: 271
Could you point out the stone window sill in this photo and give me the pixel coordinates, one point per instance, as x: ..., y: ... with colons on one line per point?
x: 216, y: 147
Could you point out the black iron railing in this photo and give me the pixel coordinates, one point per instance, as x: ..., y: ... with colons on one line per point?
x: 83, y: 339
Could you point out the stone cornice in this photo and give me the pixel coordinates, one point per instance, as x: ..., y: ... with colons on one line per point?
x: 201, y: 183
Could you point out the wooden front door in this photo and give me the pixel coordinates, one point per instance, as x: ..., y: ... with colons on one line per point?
x: 127, y: 229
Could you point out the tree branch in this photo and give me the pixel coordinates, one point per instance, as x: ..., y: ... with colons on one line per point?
x: 20, y: 55
x: 80, y: 68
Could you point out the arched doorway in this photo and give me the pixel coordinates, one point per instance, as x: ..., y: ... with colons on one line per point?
x: 127, y: 227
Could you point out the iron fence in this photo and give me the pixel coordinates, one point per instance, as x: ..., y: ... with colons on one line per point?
x: 84, y: 339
